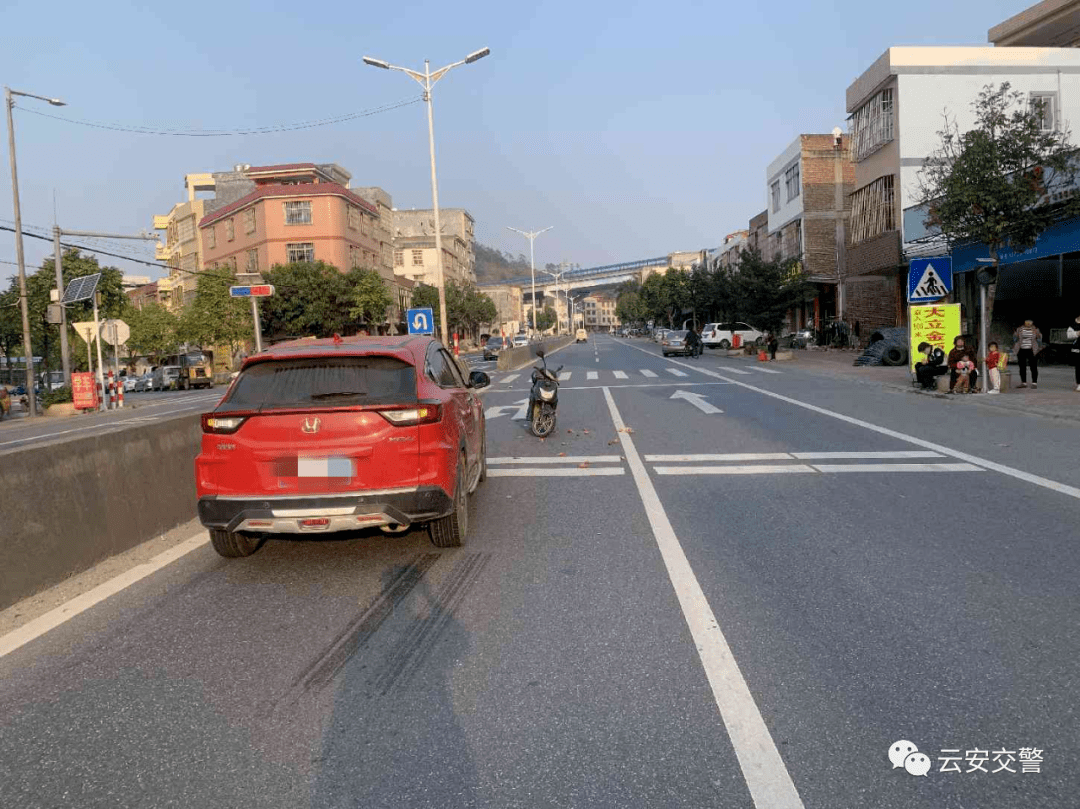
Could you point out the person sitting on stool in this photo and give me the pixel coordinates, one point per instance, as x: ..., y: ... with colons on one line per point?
x: 932, y: 366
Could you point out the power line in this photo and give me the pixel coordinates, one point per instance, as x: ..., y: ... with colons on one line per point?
x: 117, y: 255
x: 221, y: 133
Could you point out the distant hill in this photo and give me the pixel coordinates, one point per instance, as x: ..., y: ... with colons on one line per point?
x: 494, y: 265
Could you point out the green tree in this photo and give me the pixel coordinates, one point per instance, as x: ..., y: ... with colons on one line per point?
x: 369, y: 295
x: 467, y: 308
x: 992, y: 184
x: 545, y: 318
x: 215, y: 318
x: 153, y: 331
x: 311, y: 299
x: 766, y: 290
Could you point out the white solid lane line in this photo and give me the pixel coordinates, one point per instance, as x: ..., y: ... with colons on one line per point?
x: 590, y: 375
x: 557, y: 472
x: 766, y: 776
x: 755, y: 469
x: 898, y: 467
x: 904, y: 453
x: 511, y: 378
x: 730, y: 456
x: 564, y: 459
x: 674, y: 372
x: 620, y: 375
x: 648, y: 373
x: 1019, y: 474
x: 565, y: 376
x: 65, y: 612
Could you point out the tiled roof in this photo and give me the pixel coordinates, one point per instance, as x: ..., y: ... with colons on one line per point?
x: 282, y: 167
x: 307, y: 190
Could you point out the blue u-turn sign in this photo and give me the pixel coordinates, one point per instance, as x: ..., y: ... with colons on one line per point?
x: 421, y: 321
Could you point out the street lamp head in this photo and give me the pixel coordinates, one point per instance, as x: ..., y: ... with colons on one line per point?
x: 56, y: 102
x: 476, y: 55
x: 376, y: 63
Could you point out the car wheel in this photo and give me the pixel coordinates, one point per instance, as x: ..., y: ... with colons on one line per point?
x: 725, y: 344
x: 233, y: 545
x: 449, y: 531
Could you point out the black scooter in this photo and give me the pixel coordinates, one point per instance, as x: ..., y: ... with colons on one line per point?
x: 543, y: 398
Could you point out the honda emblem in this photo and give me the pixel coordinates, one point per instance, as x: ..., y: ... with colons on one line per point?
x: 310, y: 425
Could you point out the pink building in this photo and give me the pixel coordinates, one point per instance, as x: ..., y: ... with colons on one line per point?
x: 297, y: 212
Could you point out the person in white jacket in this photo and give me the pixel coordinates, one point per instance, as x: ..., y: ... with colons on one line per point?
x: 1074, y: 335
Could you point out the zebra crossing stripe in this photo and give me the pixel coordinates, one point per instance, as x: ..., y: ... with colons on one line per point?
x: 510, y: 378
x: 620, y: 375
x: 648, y: 373
x: 767, y: 370
x: 592, y: 375
x: 565, y: 376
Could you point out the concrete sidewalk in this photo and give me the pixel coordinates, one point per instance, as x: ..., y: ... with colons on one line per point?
x: 1056, y: 396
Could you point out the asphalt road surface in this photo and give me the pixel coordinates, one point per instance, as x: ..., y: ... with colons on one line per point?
x: 139, y: 408
x: 704, y: 590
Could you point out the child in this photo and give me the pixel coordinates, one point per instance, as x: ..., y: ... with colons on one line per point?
x: 993, y: 368
x: 964, y: 370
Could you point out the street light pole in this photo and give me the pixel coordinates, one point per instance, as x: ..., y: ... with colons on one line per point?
x: 531, y: 236
x: 24, y: 308
x: 558, y: 288
x: 427, y: 80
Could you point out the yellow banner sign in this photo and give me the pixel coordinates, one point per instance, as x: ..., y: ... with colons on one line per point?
x: 937, y: 324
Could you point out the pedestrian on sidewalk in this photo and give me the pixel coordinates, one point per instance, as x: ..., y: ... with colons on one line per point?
x: 772, y: 344
x: 1027, y: 343
x: 993, y: 369
x: 961, y: 353
x: 932, y: 365
x: 1074, y: 352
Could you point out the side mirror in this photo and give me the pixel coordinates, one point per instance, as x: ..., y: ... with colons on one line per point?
x: 478, y: 379
x: 540, y: 353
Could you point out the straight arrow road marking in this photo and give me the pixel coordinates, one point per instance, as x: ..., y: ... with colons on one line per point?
x: 499, y: 410
x: 697, y: 400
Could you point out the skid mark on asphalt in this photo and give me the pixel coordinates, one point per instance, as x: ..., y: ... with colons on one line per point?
x: 402, y: 663
x: 322, y: 670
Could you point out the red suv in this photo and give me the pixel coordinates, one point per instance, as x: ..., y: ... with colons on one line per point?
x: 339, y: 434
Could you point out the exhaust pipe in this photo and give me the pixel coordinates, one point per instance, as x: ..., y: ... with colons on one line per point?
x: 394, y: 528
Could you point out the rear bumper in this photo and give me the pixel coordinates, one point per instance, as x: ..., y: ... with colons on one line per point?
x: 286, y: 514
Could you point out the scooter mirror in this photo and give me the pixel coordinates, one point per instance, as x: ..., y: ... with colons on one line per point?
x: 540, y: 353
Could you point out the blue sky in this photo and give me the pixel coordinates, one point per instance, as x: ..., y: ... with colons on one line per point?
x: 635, y: 129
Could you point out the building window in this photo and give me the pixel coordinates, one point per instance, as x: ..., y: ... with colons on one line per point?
x: 872, y: 124
x: 249, y: 220
x: 873, y: 210
x: 399, y: 258
x: 300, y: 251
x: 211, y: 237
x: 774, y: 192
x: 298, y: 213
x: 791, y: 182
x: 230, y: 229
x: 354, y: 218
x: 418, y: 258
x: 253, y: 260
x: 186, y: 230
x: 1045, y: 106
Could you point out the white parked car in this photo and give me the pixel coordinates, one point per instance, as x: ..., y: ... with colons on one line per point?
x: 521, y: 340
x: 722, y: 335
x: 129, y: 383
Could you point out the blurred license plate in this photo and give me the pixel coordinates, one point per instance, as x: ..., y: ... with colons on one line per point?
x: 333, y: 467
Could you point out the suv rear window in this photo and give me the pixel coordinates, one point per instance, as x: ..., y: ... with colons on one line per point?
x: 315, y: 381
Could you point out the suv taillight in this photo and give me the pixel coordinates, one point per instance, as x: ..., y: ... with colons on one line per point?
x: 221, y: 425
x: 411, y: 416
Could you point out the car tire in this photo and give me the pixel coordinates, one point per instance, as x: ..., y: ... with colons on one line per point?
x: 725, y: 344
x: 450, y: 531
x: 232, y: 545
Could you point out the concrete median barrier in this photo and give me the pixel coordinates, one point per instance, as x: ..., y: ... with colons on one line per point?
x: 67, y: 506
x: 510, y: 359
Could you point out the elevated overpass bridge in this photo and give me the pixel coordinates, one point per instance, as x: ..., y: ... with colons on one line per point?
x: 591, y: 277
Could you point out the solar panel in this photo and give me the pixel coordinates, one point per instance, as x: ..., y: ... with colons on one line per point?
x: 81, y: 288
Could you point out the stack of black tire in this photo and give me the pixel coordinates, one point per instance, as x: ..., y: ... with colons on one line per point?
x: 887, y: 347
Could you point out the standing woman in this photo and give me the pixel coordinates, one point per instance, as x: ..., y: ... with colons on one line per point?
x: 1027, y: 343
x: 1074, y: 352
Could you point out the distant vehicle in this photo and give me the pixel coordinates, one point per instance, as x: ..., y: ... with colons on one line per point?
x: 493, y: 346
x: 521, y: 340
x: 144, y: 382
x: 196, y: 369
x: 675, y: 343
x: 51, y: 380
x: 581, y: 336
x: 165, y: 377
x: 799, y: 339
x: 722, y: 335
x: 129, y: 383
x: 659, y: 334
x: 342, y: 434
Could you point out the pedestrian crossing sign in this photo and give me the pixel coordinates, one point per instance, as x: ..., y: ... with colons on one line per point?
x: 929, y: 279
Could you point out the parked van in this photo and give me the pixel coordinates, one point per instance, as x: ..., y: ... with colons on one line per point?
x: 165, y: 377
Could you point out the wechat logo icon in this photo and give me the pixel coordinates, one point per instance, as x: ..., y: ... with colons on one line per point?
x: 905, y: 754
